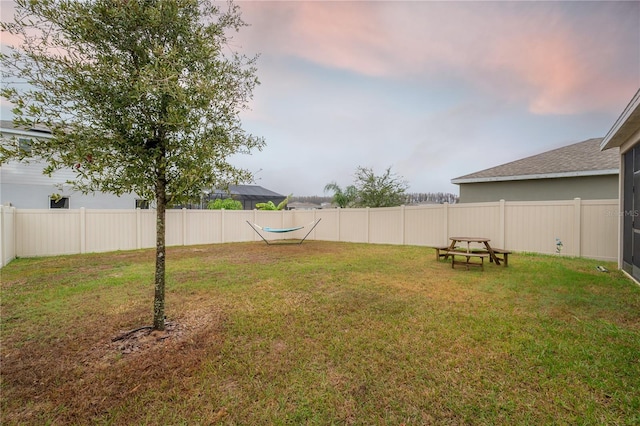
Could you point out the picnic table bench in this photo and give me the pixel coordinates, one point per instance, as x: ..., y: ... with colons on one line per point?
x: 501, y: 254
x: 468, y: 255
x: 505, y: 255
x: 441, y: 251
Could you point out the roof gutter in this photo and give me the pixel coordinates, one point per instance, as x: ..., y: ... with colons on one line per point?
x: 458, y: 181
x: 616, y: 137
x: 28, y: 133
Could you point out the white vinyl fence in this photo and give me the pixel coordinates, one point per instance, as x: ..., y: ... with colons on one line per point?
x: 586, y: 228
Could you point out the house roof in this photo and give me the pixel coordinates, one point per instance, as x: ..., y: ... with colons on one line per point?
x: 579, y: 159
x: 625, y: 126
x: 299, y: 205
x: 249, y: 192
x: 37, y: 130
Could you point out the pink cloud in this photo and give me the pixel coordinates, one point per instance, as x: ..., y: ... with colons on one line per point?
x: 333, y: 34
x: 532, y: 53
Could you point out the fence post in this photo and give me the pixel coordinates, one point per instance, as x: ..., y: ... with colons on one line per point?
x: 184, y: 226
x: 255, y: 220
x: 577, y: 226
x: 502, y: 230
x: 402, y: 224
x: 138, y: 230
x: 2, y: 236
x: 83, y: 230
x: 338, y: 213
x: 222, y: 225
x: 445, y: 228
x: 368, y: 224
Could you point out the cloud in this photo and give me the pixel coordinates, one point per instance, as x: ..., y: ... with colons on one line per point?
x: 545, y: 55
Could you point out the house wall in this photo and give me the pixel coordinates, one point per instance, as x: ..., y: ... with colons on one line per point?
x: 585, y: 187
x: 587, y: 228
x: 23, y: 185
x: 628, y: 229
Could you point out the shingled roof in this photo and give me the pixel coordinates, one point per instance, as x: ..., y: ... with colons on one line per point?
x: 580, y: 159
x: 249, y: 192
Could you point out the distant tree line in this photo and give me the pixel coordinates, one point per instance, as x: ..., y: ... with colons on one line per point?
x: 432, y: 197
x: 312, y: 199
x: 411, y: 198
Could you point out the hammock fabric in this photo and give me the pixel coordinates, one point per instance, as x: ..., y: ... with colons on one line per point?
x: 282, y: 230
x: 279, y: 230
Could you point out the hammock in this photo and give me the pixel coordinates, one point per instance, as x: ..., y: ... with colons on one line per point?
x: 279, y: 230
x: 282, y: 230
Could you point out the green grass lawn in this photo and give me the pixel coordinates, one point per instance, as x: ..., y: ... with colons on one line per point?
x: 320, y: 333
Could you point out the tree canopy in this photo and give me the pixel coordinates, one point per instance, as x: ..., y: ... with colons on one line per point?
x: 226, y: 204
x: 141, y: 96
x: 270, y: 205
x: 386, y: 190
x: 343, y: 198
x: 370, y: 190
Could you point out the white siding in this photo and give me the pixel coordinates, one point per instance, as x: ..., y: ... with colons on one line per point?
x: 24, y: 186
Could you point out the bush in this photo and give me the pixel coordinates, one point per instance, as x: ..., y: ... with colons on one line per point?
x: 227, y: 204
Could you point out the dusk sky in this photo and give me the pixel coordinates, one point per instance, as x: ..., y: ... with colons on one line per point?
x: 434, y: 90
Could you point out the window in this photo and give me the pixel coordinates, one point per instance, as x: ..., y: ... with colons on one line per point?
x: 59, y: 203
x: 24, y: 145
x: 142, y: 204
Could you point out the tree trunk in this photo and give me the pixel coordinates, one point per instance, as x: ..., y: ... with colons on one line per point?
x: 158, y: 299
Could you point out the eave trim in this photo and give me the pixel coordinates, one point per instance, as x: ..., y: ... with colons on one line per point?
x: 537, y: 176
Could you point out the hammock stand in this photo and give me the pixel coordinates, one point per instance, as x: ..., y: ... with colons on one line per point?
x: 282, y: 230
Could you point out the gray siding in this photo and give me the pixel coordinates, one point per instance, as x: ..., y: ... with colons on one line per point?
x: 603, y: 187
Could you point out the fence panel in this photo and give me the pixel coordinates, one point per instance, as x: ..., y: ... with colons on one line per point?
x: 534, y: 226
x: 305, y: 218
x: 475, y: 220
x: 385, y: 225
x: 7, y: 235
x: 599, y: 227
x: 329, y: 228
x: 109, y: 230
x: 147, y: 228
x: 425, y: 225
x: 47, y: 232
x: 354, y: 225
x: 175, y: 231
x: 204, y: 227
x: 236, y: 229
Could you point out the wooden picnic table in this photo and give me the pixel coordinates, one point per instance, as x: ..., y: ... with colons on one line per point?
x: 453, y: 249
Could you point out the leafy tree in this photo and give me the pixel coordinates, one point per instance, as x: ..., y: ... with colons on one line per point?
x: 227, y: 204
x: 345, y: 198
x: 270, y: 205
x: 141, y: 96
x: 386, y: 190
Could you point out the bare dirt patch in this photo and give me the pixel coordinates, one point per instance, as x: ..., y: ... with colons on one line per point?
x: 76, y: 378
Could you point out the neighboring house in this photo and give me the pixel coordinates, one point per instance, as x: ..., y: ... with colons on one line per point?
x: 23, y: 185
x: 248, y: 195
x: 624, y: 137
x: 580, y: 170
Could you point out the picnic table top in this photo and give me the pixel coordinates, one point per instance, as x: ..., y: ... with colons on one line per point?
x: 471, y: 239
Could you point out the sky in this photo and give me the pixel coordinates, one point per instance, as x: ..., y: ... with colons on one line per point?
x: 432, y: 90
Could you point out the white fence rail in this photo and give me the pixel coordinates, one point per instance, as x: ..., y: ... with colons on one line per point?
x: 586, y: 228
